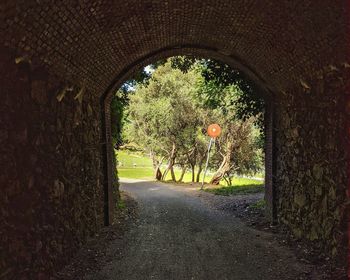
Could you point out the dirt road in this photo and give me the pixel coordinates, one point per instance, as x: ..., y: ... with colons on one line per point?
x: 177, y: 236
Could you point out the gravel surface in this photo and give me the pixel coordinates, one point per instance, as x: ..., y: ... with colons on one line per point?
x: 174, y: 231
x: 103, y: 248
x: 181, y: 234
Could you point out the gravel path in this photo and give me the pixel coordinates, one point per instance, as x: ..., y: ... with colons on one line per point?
x: 181, y: 234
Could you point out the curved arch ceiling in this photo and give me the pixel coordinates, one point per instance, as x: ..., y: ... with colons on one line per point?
x: 93, y: 42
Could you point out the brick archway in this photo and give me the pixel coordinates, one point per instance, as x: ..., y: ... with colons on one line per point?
x: 58, y: 59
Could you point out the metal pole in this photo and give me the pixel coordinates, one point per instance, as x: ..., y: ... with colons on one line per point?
x: 206, y: 165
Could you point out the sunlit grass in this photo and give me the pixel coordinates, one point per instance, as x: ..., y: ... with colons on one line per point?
x: 136, y: 166
x: 260, y: 204
x: 237, y: 189
x: 136, y: 173
x: 131, y: 159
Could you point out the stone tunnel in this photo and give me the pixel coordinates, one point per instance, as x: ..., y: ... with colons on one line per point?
x: 61, y: 62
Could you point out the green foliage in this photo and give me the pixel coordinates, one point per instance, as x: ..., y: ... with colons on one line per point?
x: 246, y: 99
x: 183, y: 63
x: 121, y: 204
x: 234, y: 190
x: 140, y: 77
x: 161, y: 111
x: 216, y: 77
x: 261, y: 204
x: 131, y: 159
x: 136, y: 173
x: 118, y: 103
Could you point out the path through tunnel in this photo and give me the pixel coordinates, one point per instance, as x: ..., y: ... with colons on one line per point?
x: 60, y: 64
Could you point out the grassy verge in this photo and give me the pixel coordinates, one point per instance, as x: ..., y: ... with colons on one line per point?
x: 147, y: 173
x: 128, y: 159
x: 261, y: 204
x: 121, y: 204
x: 237, y: 189
x: 137, y: 166
x: 136, y: 173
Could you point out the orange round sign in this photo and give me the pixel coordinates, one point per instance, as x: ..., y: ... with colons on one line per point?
x: 214, y: 130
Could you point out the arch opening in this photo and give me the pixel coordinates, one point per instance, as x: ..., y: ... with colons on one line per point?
x: 206, y: 53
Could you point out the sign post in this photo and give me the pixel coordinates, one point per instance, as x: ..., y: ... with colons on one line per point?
x: 214, y: 130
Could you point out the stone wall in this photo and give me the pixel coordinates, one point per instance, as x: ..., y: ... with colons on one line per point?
x: 270, y: 190
x: 50, y: 160
x: 311, y: 159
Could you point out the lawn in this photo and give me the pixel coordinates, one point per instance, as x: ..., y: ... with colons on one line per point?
x: 136, y: 173
x: 134, y: 165
x: 132, y: 159
x: 138, y: 166
x: 237, y: 189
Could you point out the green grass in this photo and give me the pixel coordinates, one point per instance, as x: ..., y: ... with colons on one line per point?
x: 121, y: 204
x: 131, y: 159
x: 147, y: 173
x: 136, y: 173
x: 187, y: 177
x: 259, y: 175
x: 138, y: 166
x: 237, y: 189
x: 239, y: 181
x: 134, y: 165
x: 259, y: 204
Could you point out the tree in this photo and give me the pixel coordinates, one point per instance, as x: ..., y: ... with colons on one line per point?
x: 248, y: 101
x: 236, y: 148
x: 237, y: 152
x: 162, y: 114
x: 118, y: 104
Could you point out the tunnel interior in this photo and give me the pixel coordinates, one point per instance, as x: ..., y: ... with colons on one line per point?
x: 61, y: 63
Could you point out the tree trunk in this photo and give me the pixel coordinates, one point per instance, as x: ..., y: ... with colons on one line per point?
x: 165, y: 173
x: 220, y: 173
x: 156, y: 166
x: 172, y: 173
x: 227, y: 180
x: 154, y: 160
x: 199, y: 174
x: 183, y: 171
x: 191, y: 159
x: 193, y: 174
x: 200, y: 166
x: 171, y: 163
x: 225, y: 166
x: 158, y: 174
